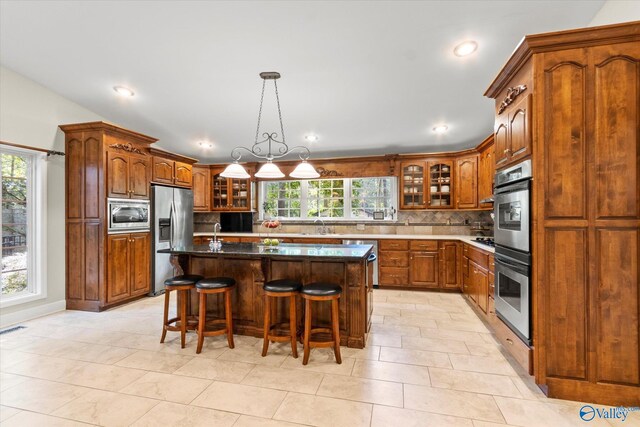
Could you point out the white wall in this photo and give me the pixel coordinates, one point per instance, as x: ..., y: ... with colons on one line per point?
x: 616, y: 11
x: 30, y: 115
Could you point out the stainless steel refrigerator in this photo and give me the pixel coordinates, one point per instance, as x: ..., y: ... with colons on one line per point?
x: 172, y: 227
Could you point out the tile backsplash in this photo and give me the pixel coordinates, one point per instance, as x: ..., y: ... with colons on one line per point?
x: 407, y: 222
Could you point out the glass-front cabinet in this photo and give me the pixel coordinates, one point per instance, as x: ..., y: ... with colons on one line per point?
x: 412, y: 185
x: 440, y: 185
x: 231, y: 194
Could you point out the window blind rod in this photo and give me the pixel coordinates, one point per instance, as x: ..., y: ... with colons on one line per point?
x: 26, y: 147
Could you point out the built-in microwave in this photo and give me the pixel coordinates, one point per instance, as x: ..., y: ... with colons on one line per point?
x: 128, y: 215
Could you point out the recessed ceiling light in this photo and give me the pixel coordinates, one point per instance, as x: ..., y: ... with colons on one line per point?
x: 205, y: 144
x: 311, y: 138
x: 440, y: 128
x: 465, y: 48
x: 123, y: 91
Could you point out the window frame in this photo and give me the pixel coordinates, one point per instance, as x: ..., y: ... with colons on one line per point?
x: 304, y: 199
x: 36, y: 228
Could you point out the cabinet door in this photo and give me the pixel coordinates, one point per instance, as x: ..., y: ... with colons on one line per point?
x: 501, y: 138
x: 448, y: 258
x: 423, y: 269
x: 412, y: 185
x: 117, y: 175
x: 240, y: 194
x: 485, y: 176
x: 182, y: 174
x: 393, y: 276
x: 201, y: 189
x: 221, y: 194
x: 118, y: 267
x: 139, y: 177
x: 467, y: 182
x: 162, y: 170
x: 520, y: 130
x: 140, y: 259
x: 480, y: 285
x: 440, y: 184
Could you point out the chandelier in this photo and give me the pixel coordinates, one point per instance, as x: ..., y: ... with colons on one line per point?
x: 270, y: 148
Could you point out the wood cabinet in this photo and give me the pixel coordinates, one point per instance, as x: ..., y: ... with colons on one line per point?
x: 583, y: 96
x: 128, y: 175
x: 466, y: 181
x: 450, y: 269
x: 231, y: 194
x: 172, y: 172
x: 201, y: 189
x: 486, y: 172
x: 440, y: 184
x: 475, y: 276
x: 102, y: 161
x: 423, y: 269
x: 412, y: 185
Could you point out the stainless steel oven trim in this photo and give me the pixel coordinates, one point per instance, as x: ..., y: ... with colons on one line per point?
x: 123, y: 227
x: 514, y: 239
x: 520, y: 321
x: 502, y: 177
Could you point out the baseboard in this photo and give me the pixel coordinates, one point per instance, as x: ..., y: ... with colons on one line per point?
x: 31, y: 313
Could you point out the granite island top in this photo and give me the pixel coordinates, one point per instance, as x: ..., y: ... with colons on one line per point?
x: 316, y: 250
x: 459, y: 237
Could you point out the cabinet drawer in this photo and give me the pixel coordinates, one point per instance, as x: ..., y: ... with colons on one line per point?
x: 394, y: 259
x: 394, y: 245
x: 479, y: 257
x: 394, y: 276
x: 514, y: 345
x: 424, y: 245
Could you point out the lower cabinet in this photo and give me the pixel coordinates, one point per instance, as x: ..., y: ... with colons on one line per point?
x: 477, y: 275
x: 449, y: 259
x: 128, y: 266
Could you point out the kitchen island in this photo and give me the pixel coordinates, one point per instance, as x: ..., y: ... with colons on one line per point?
x: 252, y: 264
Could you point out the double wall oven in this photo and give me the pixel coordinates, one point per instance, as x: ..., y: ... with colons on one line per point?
x: 512, y: 231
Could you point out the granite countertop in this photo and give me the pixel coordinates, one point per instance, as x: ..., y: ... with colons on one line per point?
x: 282, y: 250
x: 466, y: 239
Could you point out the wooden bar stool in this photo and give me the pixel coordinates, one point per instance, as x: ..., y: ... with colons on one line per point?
x: 182, y: 285
x: 281, y: 288
x: 215, y: 285
x: 320, y: 291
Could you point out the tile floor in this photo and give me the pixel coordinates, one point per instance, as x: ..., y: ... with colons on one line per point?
x: 429, y: 362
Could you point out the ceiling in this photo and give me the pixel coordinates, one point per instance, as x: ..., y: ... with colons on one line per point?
x: 366, y: 77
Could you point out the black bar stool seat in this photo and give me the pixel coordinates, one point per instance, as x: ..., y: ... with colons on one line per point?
x: 321, y: 291
x: 215, y: 285
x: 182, y: 285
x: 281, y: 288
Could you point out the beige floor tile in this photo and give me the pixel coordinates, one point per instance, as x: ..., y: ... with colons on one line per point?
x: 174, y: 414
x: 530, y: 413
x: 440, y: 306
x: 435, y: 344
x: 499, y: 385
x: 452, y: 402
x: 426, y: 314
x: 248, y: 421
x: 450, y: 334
x: 410, y: 321
x: 370, y: 352
x: 242, y: 399
x: 385, y: 311
x: 484, y: 349
x: 321, y: 361
x: 385, y: 416
x: 395, y: 372
x: 104, y: 377
x: 253, y: 354
x: 415, y: 357
x: 38, y: 366
x: 489, y: 365
x: 9, y: 380
x: 402, y: 330
x: 154, y: 361
x: 7, y: 412
x: 106, y: 408
x: 397, y: 306
x: 97, y: 353
x: 295, y: 380
x: 173, y: 388
x: 40, y: 395
x: 323, y: 411
x: 461, y: 325
x: 478, y: 423
x: 362, y: 390
x: 385, y: 340
x: 15, y: 340
x: 376, y: 318
x: 32, y: 419
x: 527, y: 388
x: 213, y: 369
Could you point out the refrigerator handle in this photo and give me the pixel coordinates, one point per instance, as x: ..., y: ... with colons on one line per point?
x: 172, y: 218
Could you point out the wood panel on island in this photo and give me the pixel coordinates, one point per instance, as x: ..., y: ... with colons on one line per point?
x: 582, y: 103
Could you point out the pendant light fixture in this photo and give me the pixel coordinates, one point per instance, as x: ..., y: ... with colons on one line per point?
x: 275, y: 149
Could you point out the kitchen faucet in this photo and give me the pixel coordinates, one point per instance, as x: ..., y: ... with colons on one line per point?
x: 215, y: 244
x: 323, y: 228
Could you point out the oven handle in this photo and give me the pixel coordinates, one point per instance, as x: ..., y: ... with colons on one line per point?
x: 512, y: 264
x: 172, y: 228
x: 513, y: 187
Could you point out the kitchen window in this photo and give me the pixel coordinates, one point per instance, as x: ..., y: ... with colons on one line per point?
x: 339, y: 199
x: 22, y: 224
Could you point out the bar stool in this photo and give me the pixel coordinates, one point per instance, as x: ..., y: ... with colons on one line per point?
x: 281, y: 288
x: 320, y: 291
x: 215, y: 285
x: 182, y: 285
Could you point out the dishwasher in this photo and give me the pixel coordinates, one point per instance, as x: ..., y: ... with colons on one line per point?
x: 373, y: 243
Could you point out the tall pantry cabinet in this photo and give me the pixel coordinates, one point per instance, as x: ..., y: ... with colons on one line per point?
x: 103, y: 160
x: 583, y: 89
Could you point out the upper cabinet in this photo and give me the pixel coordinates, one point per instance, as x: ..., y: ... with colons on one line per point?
x: 440, y: 176
x: 128, y: 175
x: 412, y: 185
x: 231, y: 194
x: 513, y: 128
x: 172, y: 169
x: 486, y: 172
x: 467, y: 182
x: 201, y: 189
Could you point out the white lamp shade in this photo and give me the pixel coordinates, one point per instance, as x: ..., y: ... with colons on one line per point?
x: 235, y: 170
x: 269, y: 170
x: 304, y: 170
